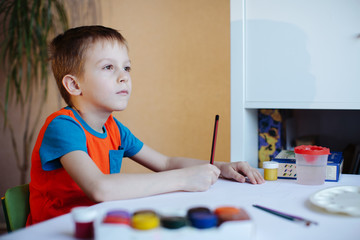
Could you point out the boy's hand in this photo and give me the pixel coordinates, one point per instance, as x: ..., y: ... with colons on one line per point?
x: 238, y: 171
x: 200, y: 177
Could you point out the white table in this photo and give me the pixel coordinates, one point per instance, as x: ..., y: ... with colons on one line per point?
x: 283, y: 195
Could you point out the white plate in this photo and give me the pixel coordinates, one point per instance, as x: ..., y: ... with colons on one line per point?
x: 342, y: 199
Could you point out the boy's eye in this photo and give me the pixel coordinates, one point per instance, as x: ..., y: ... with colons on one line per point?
x: 127, y: 69
x: 109, y: 67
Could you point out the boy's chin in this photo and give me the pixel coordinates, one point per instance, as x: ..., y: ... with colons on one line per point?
x: 121, y: 107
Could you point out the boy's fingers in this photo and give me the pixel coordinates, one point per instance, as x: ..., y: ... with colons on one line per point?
x: 258, y: 179
x: 217, y: 173
x: 215, y: 169
x: 251, y: 177
x: 237, y: 176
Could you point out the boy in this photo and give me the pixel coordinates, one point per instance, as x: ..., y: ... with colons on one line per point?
x: 77, y: 157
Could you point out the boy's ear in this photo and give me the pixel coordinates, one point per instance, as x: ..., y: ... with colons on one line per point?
x: 71, y: 85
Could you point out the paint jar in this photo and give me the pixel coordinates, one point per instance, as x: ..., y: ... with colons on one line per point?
x: 84, y: 219
x: 117, y: 217
x: 228, y: 213
x: 173, y: 222
x: 203, y: 220
x: 172, y: 218
x: 311, y: 162
x: 145, y: 220
x: 270, y: 170
x: 201, y: 217
x: 197, y: 210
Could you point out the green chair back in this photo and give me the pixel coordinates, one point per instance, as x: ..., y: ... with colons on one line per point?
x: 16, y: 207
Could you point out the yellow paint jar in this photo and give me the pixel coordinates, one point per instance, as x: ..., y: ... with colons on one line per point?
x: 270, y: 170
x: 145, y: 221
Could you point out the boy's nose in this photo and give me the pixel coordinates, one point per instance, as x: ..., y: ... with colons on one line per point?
x: 123, y: 78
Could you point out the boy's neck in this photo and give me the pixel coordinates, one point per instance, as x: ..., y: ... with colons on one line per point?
x: 95, y: 120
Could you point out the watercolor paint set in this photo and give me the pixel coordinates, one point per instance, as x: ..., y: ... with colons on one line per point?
x: 194, y: 223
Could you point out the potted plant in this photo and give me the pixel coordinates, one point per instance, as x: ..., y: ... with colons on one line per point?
x: 26, y: 26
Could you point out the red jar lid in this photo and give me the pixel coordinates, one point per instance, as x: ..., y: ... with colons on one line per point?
x: 116, y: 220
x: 312, y: 150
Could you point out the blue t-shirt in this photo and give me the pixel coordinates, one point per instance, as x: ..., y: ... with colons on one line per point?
x: 64, y: 135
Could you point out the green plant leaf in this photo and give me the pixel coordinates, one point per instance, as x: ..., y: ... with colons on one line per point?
x: 28, y: 25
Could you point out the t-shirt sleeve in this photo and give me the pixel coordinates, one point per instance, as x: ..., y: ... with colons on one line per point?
x: 63, y: 135
x: 131, y: 144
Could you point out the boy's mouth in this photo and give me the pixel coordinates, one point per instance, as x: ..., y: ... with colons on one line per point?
x: 123, y: 92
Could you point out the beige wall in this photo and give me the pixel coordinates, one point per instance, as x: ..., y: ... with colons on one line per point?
x: 180, y: 53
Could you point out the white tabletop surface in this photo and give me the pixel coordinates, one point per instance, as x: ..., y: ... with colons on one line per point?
x: 283, y: 195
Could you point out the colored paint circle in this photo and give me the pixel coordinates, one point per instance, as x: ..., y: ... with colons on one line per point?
x: 145, y: 211
x: 226, y: 210
x: 145, y: 221
x: 230, y: 217
x: 203, y: 220
x: 118, y: 213
x: 117, y: 217
x: 173, y: 222
x: 231, y: 214
x: 116, y: 220
x: 197, y: 210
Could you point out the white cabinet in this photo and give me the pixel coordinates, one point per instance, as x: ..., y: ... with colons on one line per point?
x: 298, y: 54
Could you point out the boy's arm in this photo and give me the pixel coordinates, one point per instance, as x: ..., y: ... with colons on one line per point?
x: 158, y: 162
x: 103, y: 187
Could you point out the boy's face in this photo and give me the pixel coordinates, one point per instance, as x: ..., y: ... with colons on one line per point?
x: 106, y: 83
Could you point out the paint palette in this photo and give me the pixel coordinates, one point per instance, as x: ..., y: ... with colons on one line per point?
x: 195, y: 223
x: 342, y: 199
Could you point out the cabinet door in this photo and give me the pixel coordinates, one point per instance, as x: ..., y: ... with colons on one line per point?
x: 302, y: 54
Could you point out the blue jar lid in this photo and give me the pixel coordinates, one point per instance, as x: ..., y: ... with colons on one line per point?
x: 203, y: 220
x: 197, y: 210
